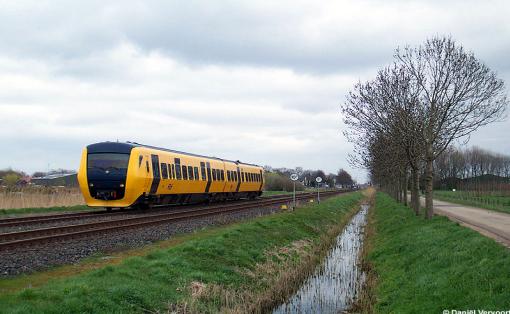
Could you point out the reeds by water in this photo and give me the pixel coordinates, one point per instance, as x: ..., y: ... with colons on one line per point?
x: 39, y: 197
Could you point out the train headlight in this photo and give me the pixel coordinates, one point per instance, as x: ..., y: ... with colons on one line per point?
x: 92, y: 184
x: 122, y: 185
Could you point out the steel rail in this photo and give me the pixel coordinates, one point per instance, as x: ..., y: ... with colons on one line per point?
x: 19, y: 221
x: 23, y: 238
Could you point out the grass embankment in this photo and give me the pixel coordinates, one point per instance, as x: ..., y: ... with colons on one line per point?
x: 270, y: 193
x: 308, y: 190
x: 496, y: 202
x: 425, y: 266
x: 243, y: 267
x: 4, y: 213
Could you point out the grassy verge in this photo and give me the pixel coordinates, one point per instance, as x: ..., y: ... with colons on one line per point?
x: 270, y: 193
x: 493, y: 202
x: 40, y: 210
x: 307, y: 190
x: 428, y: 266
x: 245, y: 266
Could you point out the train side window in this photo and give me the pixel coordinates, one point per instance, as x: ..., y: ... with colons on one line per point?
x: 170, y: 171
x: 222, y: 175
x: 178, y: 168
x: 195, y: 170
x: 228, y: 175
x: 190, y: 173
x: 242, y: 176
x: 147, y: 166
x: 214, y: 174
x: 173, y: 171
x: 184, y: 172
x: 164, y: 171
x: 202, y: 169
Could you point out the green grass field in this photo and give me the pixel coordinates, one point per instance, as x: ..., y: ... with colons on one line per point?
x: 496, y: 201
x: 25, y: 211
x: 225, y: 257
x: 429, y: 266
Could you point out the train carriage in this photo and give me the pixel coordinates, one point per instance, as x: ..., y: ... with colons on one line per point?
x: 115, y: 175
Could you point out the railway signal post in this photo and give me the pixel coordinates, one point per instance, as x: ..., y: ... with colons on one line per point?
x: 318, y: 180
x: 294, y: 178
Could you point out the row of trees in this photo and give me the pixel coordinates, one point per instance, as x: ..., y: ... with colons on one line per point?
x: 410, y: 113
x: 470, y: 163
x: 306, y: 178
x: 11, y: 178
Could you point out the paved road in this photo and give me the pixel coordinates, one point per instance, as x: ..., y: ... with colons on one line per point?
x: 490, y: 223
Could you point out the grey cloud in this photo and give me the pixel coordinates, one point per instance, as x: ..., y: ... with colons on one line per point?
x: 241, y: 80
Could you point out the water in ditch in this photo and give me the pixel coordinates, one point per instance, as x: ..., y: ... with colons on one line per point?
x: 334, y: 285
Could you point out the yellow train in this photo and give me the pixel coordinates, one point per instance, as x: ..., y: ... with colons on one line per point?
x: 115, y: 175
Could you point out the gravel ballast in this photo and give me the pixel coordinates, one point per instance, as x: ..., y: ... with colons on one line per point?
x: 31, y: 259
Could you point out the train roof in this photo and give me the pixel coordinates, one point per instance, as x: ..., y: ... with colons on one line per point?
x: 121, y: 147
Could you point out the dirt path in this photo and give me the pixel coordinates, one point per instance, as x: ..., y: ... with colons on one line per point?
x: 490, y: 223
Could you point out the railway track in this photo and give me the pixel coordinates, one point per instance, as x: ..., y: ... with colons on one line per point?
x: 12, y: 240
x: 28, y: 220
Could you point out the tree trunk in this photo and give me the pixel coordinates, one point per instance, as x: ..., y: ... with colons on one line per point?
x: 429, y: 185
x: 398, y: 188
x: 406, y: 181
x: 415, y: 191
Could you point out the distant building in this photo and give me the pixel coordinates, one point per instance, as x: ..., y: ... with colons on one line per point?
x: 57, y: 179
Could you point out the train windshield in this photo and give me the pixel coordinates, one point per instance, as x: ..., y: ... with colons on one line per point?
x: 108, y: 162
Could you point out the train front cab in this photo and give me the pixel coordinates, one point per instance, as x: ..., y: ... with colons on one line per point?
x: 109, y: 175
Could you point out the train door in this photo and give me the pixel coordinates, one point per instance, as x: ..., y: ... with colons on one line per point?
x: 209, y: 177
x: 238, y: 179
x: 224, y: 179
x: 146, y: 172
x: 156, y: 177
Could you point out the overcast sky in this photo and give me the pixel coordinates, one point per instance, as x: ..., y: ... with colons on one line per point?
x: 260, y: 82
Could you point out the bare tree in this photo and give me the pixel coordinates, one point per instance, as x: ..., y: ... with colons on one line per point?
x: 386, y: 110
x: 458, y: 94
